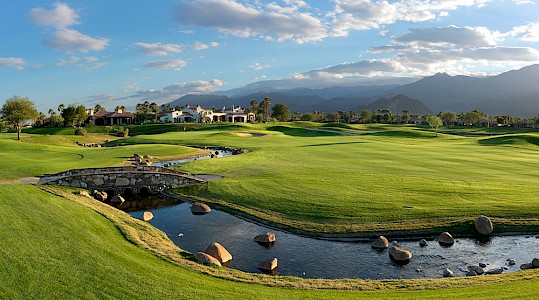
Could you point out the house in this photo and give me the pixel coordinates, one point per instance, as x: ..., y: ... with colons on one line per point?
x: 105, y: 118
x: 199, y: 114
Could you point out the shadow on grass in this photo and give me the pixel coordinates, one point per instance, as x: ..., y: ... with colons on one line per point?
x: 331, y: 144
x: 300, y: 132
x: 520, y: 139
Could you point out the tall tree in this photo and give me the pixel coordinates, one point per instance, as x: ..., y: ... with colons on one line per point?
x: 366, y: 115
x: 154, y: 109
x: 80, y: 116
x: 98, y: 108
x: 281, y: 112
x: 266, y: 104
x: 17, y: 111
x: 434, y: 122
x: 472, y: 117
x: 448, y: 118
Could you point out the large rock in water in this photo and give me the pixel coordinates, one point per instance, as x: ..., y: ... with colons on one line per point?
x: 117, y: 199
x: 199, y: 208
x: 535, y: 262
x: 219, y: 252
x: 147, y: 216
x: 483, y: 225
x: 101, y: 196
x: 268, y: 265
x: 400, y: 255
x: 380, y: 243
x: 204, y: 258
x: 446, y: 239
x: 477, y: 269
x: 266, y: 238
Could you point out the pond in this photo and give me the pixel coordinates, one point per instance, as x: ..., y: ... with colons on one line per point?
x: 314, y: 258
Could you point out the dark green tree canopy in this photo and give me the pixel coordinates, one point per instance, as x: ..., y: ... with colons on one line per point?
x: 281, y: 112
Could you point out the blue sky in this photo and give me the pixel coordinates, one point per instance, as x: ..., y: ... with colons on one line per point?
x: 123, y: 52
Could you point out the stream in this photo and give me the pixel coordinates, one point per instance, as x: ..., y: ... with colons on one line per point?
x: 315, y: 258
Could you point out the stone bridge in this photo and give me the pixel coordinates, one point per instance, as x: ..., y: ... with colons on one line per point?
x: 127, y: 180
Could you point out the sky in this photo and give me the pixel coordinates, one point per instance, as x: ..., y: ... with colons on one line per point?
x: 124, y: 52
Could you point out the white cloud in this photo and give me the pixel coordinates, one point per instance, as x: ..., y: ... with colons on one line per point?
x: 367, y: 14
x: 258, y: 67
x: 159, y: 49
x: 177, y: 64
x: 15, y: 62
x: 520, y: 2
x: 177, y: 90
x: 86, y: 62
x: 261, y: 77
x: 65, y: 39
x: 451, y: 36
x: 61, y: 17
x: 131, y: 87
x: 70, y: 40
x: 528, y: 32
x: 232, y: 17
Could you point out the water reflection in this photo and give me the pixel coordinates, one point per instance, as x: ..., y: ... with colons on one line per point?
x: 312, y: 258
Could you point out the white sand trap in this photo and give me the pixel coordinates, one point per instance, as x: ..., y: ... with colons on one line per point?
x: 249, y: 134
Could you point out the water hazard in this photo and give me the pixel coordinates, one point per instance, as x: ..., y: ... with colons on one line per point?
x: 313, y: 258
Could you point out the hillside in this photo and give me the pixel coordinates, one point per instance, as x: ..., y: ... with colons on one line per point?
x: 399, y: 103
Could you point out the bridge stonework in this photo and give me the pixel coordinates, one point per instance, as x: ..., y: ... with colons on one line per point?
x: 121, y: 180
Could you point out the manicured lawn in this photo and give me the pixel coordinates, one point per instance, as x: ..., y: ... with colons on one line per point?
x: 375, y: 176
x: 53, y: 248
x: 56, y: 249
x: 37, y: 155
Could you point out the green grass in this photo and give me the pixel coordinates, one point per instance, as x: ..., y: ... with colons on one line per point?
x: 56, y: 249
x: 37, y: 155
x: 327, y: 178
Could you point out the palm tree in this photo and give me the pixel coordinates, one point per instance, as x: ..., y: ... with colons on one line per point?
x: 98, y: 108
x: 154, y: 109
x: 61, y: 108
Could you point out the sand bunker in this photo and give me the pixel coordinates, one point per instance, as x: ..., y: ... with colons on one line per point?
x: 249, y: 134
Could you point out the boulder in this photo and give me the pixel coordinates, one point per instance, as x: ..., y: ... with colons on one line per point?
x: 268, y: 237
x: 471, y: 273
x: 117, y: 199
x: 535, y: 262
x: 219, y: 252
x: 268, y: 265
x: 400, y: 255
x: 482, y: 265
x: 446, y: 239
x: 423, y: 243
x: 147, y: 216
x: 137, y: 156
x: 526, y: 266
x: 512, y: 262
x: 380, y: 243
x: 101, y: 196
x: 199, y: 208
x: 477, y: 269
x: 85, y: 193
x: 483, y: 225
x: 494, y: 271
x: 204, y: 258
x: 121, y: 181
x: 448, y: 273
x: 147, y: 157
x: 147, y: 163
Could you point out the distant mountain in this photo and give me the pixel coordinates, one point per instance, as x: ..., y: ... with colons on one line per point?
x: 399, y: 103
x: 514, y: 93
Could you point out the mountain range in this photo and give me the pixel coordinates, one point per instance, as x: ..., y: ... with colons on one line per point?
x: 514, y: 93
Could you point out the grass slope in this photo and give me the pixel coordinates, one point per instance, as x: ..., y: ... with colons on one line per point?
x: 374, y: 177
x: 56, y: 249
